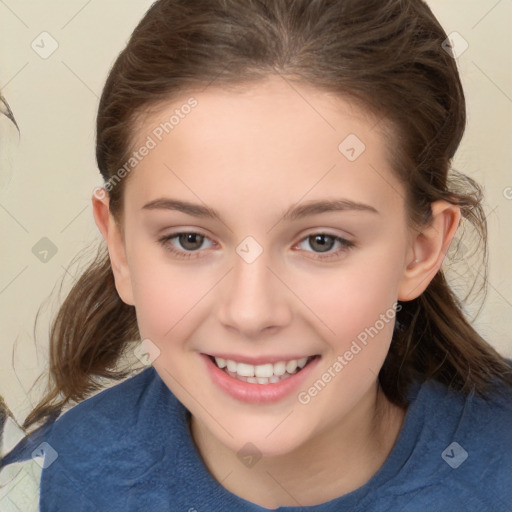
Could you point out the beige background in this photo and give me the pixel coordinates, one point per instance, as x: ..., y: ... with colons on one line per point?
x: 47, y: 176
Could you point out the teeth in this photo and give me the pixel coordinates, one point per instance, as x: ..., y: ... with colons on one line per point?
x: 279, y: 368
x: 262, y: 373
x: 264, y: 370
x: 245, y: 370
x: 291, y: 366
x: 232, y: 365
x: 302, y: 362
x: 259, y: 380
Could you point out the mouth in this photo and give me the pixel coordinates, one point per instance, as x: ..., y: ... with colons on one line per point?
x: 265, y: 373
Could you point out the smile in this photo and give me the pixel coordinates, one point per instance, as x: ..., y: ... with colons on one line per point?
x: 260, y: 383
x: 268, y: 373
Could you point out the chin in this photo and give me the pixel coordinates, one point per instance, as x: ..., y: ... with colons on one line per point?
x: 267, y: 439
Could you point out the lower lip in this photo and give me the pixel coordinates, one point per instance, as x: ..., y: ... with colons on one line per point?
x: 257, y: 393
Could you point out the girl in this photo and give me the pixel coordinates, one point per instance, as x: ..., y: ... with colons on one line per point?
x: 277, y: 206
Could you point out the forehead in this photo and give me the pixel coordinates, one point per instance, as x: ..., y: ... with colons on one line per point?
x: 276, y: 139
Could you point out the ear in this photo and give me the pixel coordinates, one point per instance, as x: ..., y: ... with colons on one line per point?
x: 113, y: 235
x: 428, y: 249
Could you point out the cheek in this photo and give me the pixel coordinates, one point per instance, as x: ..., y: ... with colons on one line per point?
x: 355, y: 309
x: 359, y: 311
x: 166, y: 296
x: 354, y: 297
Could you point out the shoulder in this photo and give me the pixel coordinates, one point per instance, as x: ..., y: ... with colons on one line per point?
x: 102, y: 413
x: 481, y: 423
x: 109, y: 441
x: 118, y: 412
x: 470, y: 410
x: 463, y: 446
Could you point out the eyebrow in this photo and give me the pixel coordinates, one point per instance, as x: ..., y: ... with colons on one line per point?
x: 292, y: 213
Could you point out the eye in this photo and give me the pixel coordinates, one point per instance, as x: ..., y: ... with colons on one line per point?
x: 190, y: 241
x: 324, y: 242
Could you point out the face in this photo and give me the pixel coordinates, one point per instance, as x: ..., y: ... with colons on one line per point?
x: 267, y: 278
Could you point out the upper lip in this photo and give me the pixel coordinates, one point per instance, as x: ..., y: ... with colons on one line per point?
x: 261, y: 359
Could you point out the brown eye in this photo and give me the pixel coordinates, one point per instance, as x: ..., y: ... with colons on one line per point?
x: 324, y: 243
x: 190, y: 241
x: 184, y: 244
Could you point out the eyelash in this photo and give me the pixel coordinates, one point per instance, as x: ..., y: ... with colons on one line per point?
x: 165, y: 241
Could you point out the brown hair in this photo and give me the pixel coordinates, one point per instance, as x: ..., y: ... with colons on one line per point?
x: 386, y: 56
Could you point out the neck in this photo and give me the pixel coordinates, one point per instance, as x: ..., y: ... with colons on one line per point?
x: 336, y: 461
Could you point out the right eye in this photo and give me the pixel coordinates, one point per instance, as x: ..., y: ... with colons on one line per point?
x: 189, y: 240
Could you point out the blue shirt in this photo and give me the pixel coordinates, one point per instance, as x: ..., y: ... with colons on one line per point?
x: 129, y: 448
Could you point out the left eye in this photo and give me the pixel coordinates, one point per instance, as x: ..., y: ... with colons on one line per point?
x: 324, y: 242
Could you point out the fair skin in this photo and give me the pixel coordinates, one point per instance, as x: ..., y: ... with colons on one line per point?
x: 250, y: 155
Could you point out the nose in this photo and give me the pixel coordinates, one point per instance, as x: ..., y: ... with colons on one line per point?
x: 254, y: 299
